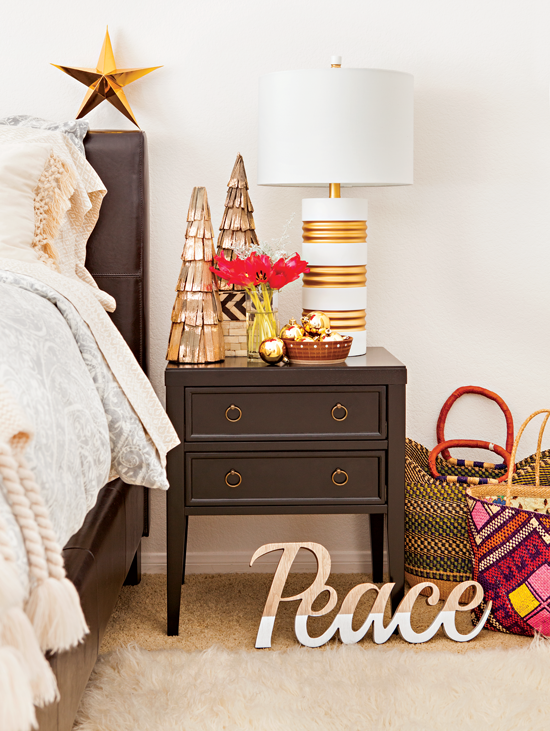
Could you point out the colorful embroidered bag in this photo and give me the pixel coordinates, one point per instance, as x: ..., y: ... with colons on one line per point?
x: 511, y: 548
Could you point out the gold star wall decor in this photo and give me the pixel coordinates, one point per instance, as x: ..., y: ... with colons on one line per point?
x: 105, y: 82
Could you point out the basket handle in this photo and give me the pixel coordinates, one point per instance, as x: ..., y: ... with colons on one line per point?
x: 515, y: 448
x: 473, y: 444
x: 440, y: 429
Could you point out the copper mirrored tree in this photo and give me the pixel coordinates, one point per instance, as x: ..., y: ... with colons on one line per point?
x: 196, y: 335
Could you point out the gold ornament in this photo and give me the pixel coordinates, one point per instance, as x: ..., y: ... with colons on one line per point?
x: 105, y: 82
x: 315, y: 321
x: 292, y: 331
x: 272, y: 350
x: 332, y: 336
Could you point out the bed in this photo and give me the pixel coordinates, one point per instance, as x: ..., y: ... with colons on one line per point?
x: 105, y: 553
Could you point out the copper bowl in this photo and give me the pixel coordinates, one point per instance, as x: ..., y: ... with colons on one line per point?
x: 317, y: 352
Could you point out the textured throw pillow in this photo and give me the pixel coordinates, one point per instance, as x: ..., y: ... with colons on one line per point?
x: 83, y: 212
x: 75, y: 130
x: 35, y: 188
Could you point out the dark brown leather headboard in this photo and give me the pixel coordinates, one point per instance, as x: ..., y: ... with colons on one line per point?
x: 117, y: 251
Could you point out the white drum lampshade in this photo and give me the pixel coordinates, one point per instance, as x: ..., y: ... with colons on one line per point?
x: 336, y: 127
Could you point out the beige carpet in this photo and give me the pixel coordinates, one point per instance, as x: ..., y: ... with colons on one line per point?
x: 211, y: 678
x: 225, y: 610
x: 342, y: 688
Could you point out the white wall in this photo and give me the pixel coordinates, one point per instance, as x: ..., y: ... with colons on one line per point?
x: 458, y: 262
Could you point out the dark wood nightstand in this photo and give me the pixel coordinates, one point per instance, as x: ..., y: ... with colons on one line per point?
x: 260, y: 440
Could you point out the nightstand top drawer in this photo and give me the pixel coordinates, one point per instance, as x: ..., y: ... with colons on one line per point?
x: 288, y: 413
x: 219, y: 478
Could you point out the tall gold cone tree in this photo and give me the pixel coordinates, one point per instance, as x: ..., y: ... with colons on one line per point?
x: 196, y: 335
x: 237, y: 228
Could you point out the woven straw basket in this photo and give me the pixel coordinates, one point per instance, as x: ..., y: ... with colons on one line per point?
x: 527, y: 491
x: 437, y: 547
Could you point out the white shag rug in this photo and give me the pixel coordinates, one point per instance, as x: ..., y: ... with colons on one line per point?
x: 355, y: 688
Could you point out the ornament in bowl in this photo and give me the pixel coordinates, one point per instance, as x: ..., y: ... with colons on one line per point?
x: 316, y: 322
x: 315, y: 343
x: 292, y: 331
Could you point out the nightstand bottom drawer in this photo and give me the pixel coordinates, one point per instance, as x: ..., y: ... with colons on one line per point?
x: 285, y: 478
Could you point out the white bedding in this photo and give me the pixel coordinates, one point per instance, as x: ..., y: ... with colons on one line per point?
x: 128, y: 374
x: 75, y: 406
x: 86, y: 431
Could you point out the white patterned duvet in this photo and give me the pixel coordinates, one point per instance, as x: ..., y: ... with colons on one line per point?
x: 85, y: 430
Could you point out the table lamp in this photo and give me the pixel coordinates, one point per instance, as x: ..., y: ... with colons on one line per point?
x: 336, y: 127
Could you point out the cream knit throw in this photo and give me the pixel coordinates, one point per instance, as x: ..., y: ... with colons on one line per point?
x: 53, y: 619
x: 51, y: 202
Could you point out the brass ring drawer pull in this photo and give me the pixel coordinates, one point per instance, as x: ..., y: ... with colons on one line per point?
x: 233, y: 473
x: 231, y: 408
x: 340, y: 472
x: 339, y: 406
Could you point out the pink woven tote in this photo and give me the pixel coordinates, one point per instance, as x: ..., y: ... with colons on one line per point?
x: 511, y: 551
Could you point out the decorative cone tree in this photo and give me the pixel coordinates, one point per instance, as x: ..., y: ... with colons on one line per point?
x: 196, y: 335
x: 237, y: 231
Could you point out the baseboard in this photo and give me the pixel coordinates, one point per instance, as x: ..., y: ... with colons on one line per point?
x: 236, y: 562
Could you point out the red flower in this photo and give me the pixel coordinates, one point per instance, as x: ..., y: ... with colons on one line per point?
x: 257, y: 269
x: 287, y: 271
x: 233, y: 271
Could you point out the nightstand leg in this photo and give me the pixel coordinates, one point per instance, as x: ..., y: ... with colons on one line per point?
x: 185, y: 531
x: 176, y: 520
x: 396, y: 490
x: 377, y: 546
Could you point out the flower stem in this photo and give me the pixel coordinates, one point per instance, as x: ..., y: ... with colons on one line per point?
x: 262, y: 324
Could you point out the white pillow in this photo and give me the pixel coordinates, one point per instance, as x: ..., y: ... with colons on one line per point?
x: 82, y: 211
x: 21, y: 166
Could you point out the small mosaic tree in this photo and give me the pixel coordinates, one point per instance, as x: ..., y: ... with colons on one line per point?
x: 237, y: 231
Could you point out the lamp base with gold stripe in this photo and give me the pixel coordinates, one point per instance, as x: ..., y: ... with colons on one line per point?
x: 335, y: 247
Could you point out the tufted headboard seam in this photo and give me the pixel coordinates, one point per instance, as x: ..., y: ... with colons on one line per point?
x: 117, y: 254
x: 117, y: 250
